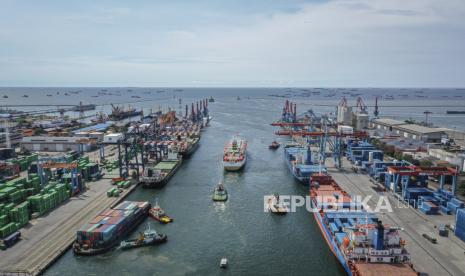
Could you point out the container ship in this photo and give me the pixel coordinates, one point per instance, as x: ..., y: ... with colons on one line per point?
x: 158, y: 175
x: 358, y: 239
x: 119, y: 113
x: 455, y: 112
x: 107, y: 229
x: 235, y: 154
x: 300, y: 164
x: 83, y: 107
x: 189, y: 146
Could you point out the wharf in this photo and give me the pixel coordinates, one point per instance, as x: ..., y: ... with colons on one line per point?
x: 46, y: 238
x: 444, y: 258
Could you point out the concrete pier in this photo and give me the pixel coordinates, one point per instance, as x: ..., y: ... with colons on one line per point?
x: 444, y: 258
x: 48, y: 237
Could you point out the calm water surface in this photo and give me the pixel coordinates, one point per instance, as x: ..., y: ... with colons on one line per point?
x: 256, y: 243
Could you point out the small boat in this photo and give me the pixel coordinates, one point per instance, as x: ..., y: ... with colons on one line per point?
x: 238, y: 98
x: 211, y: 100
x: 276, y: 206
x: 135, y: 97
x: 157, y: 213
x: 5, y: 96
x: 220, y: 193
x: 49, y: 95
x: 25, y: 96
x: 224, y: 263
x: 274, y: 145
x: 149, y: 237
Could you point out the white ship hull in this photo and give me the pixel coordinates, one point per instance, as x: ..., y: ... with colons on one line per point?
x: 234, y: 166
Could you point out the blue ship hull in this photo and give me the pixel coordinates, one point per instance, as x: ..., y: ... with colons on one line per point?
x: 330, y: 240
x: 301, y: 172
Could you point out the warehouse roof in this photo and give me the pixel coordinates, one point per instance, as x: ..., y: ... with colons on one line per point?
x: 419, y: 129
x: 387, y: 121
x: 97, y: 127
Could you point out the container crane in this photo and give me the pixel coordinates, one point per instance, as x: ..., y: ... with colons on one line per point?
x: 361, y: 107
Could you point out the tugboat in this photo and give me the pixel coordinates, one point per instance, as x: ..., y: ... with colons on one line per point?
x: 274, y: 145
x: 149, y: 237
x: 157, y: 213
x: 276, y: 206
x: 220, y: 193
x: 211, y: 100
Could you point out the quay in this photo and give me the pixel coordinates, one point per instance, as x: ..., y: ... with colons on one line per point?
x: 444, y: 258
x: 52, y: 235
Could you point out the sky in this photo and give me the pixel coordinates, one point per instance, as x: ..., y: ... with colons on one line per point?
x: 213, y: 43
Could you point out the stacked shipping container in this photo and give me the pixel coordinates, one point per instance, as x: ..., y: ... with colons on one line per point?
x: 112, y: 224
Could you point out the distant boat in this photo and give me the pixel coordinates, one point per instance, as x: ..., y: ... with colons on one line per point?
x: 211, y: 100
x: 455, y: 112
x: 49, y: 95
x: 25, y: 96
x: 66, y: 94
x: 135, y: 97
x: 5, y: 96
x: 274, y: 145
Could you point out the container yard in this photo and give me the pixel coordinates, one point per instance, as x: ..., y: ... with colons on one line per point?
x: 66, y: 200
x: 48, y: 199
x: 270, y: 137
x: 422, y: 207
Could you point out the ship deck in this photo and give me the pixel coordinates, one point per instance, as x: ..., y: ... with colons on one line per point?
x: 367, y: 269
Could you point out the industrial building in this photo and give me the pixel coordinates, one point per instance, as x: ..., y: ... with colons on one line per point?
x: 417, y: 132
x: 97, y: 135
x: 455, y: 158
x: 58, y: 144
x: 412, y: 131
x: 361, y: 121
x: 385, y: 124
x: 113, y: 138
x: 10, y: 136
x: 344, y: 115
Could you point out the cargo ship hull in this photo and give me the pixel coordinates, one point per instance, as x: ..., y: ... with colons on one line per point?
x: 235, y: 154
x: 154, y: 183
x: 142, y: 213
x: 124, y: 115
x: 301, y: 172
x: 330, y: 242
x: 190, y: 150
x: 234, y: 166
x: 361, y: 243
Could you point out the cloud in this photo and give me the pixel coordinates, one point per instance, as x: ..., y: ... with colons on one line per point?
x: 319, y: 43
